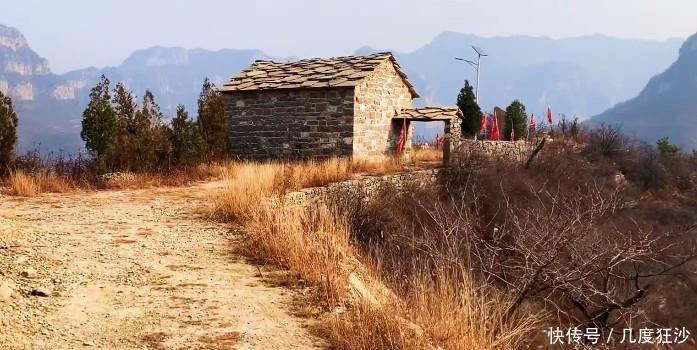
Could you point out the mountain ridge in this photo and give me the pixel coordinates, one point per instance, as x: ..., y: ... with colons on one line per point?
x: 540, y: 71
x: 666, y: 106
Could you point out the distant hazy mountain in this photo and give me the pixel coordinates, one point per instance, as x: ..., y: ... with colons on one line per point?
x: 667, y: 106
x: 580, y: 76
x: 50, y: 105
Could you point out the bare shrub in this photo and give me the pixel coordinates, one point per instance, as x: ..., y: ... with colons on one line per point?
x: 565, y: 237
x: 607, y: 140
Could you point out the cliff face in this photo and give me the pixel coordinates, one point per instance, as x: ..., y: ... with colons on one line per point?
x: 50, y: 105
x: 667, y: 106
x: 19, y: 65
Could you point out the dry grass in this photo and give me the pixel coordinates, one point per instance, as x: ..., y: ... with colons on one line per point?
x: 458, y: 315
x: 315, y: 244
x: 426, y: 155
x: 247, y: 187
x: 367, y: 327
x: 251, y: 183
x: 22, y: 184
x: 178, y: 177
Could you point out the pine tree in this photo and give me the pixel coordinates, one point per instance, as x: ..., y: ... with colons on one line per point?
x: 472, y: 114
x: 151, y: 137
x: 185, y: 137
x: 668, y: 150
x: 126, y: 108
x: 515, y: 113
x: 213, y: 122
x: 8, y: 132
x: 99, y: 124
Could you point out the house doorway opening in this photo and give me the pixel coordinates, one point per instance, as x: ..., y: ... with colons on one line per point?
x: 427, y: 141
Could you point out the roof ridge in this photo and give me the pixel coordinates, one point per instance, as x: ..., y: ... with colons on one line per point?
x: 341, y: 71
x: 375, y: 54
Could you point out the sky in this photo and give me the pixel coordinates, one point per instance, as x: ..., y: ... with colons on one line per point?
x: 74, y: 34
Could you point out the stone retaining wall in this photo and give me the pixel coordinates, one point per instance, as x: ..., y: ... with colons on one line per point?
x: 519, y: 150
x: 367, y: 183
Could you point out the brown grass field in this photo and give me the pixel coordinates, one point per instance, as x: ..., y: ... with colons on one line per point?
x: 315, y: 243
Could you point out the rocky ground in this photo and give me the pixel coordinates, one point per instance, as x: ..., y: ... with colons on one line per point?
x: 137, y: 269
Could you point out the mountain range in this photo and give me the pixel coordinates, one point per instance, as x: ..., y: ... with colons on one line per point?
x: 579, y: 76
x: 667, y: 106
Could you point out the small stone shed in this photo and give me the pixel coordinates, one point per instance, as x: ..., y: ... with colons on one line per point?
x: 352, y: 106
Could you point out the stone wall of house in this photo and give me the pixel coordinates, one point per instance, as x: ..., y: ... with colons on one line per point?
x: 309, y: 123
x: 378, y: 99
x: 519, y: 150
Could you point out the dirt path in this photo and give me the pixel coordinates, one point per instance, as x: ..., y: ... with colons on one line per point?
x: 133, y: 270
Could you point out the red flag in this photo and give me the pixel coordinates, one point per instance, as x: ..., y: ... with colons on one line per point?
x: 549, y: 115
x: 495, y: 130
x: 512, y: 135
x: 402, y: 137
x: 484, y: 122
x: 533, y: 125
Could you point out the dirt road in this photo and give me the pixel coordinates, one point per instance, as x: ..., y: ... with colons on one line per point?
x: 137, y: 269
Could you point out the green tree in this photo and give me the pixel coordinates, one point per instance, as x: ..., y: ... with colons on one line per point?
x: 126, y: 108
x: 185, y: 137
x: 213, y: 122
x: 151, y: 146
x: 667, y: 149
x: 472, y: 114
x: 516, y: 120
x: 99, y: 124
x: 8, y: 132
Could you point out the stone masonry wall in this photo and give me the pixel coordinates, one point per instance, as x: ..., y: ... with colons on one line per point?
x: 378, y: 99
x: 518, y: 150
x: 365, y: 183
x: 315, y: 123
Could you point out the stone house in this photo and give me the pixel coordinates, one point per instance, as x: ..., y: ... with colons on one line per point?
x: 352, y: 106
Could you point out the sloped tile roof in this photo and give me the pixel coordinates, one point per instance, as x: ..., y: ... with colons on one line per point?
x: 430, y: 113
x: 312, y: 73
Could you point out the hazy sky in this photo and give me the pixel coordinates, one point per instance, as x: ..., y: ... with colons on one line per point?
x: 77, y: 33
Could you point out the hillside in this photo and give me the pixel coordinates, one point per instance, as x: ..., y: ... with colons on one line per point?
x: 579, y: 76
x: 666, y: 106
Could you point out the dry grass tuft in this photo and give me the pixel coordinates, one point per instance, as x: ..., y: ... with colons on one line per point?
x: 312, y: 243
x: 248, y: 185
x: 367, y: 327
x: 23, y: 184
x: 458, y: 315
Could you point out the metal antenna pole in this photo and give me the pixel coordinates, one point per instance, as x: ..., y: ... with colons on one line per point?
x: 479, y: 67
